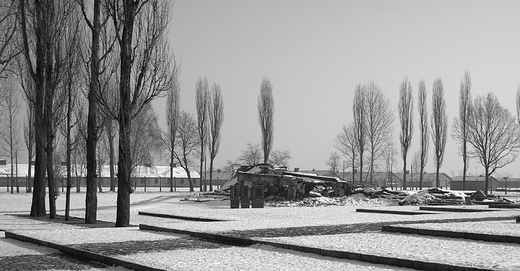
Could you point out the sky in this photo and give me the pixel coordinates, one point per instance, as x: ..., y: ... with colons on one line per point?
x: 316, y: 52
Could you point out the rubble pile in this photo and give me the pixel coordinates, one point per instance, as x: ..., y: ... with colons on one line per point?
x: 436, y: 196
x: 479, y: 198
x: 358, y: 199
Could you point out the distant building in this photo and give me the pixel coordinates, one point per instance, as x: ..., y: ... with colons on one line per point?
x: 473, y: 183
x: 508, y: 183
x: 142, y: 175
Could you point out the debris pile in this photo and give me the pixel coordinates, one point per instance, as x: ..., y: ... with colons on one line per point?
x: 357, y: 199
x: 434, y: 196
x: 479, y: 197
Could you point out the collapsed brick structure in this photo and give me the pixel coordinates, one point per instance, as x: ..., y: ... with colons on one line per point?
x: 291, y: 185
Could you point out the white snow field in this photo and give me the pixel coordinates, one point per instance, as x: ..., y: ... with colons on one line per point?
x: 496, y: 256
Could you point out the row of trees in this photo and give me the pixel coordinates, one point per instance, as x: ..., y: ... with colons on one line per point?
x: 125, y: 50
x: 187, y: 138
x: 9, y: 103
x: 483, y: 129
x: 256, y: 153
x: 124, y: 65
x: 370, y: 132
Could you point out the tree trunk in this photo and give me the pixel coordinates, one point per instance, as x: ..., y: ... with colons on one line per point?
x: 91, y: 197
x: 353, y: 175
x: 171, y: 172
x: 69, y: 179
x: 438, y: 182
x: 189, y: 180
x: 404, y: 174
x: 110, y: 134
x: 69, y: 154
x: 360, y: 167
x: 201, y: 187
x: 125, y: 110
x: 420, y: 179
x: 486, y: 182
x: 49, y: 148
x: 124, y: 187
x: 38, y: 199
x: 211, y: 174
x: 464, y: 169
x: 371, y: 169
x: 12, y: 164
x: 51, y: 182
x: 29, y: 175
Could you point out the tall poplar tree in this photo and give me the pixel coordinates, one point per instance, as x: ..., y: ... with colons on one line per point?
x: 439, y: 123
x: 405, y: 107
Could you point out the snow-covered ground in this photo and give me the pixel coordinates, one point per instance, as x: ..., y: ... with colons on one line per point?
x: 256, y: 257
x: 477, y: 254
x: 497, y: 256
x: 508, y: 227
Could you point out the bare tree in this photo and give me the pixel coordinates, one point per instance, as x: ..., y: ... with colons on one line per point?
x: 493, y: 133
x: 266, y: 116
x: 439, y: 123
x: 111, y: 133
x: 346, y: 142
x: 379, y: 123
x: 280, y: 158
x: 460, y: 123
x: 202, y: 103
x: 72, y: 119
x: 423, y: 127
x: 405, y: 107
x: 333, y: 162
x: 29, y: 140
x: 36, y: 93
x: 8, y: 28
x: 231, y: 165
x: 78, y: 156
x: 518, y: 104
x: 360, y: 125
x: 390, y: 161
x: 99, y: 49
x: 140, y: 28
x: 9, y: 122
x: 42, y: 25
x: 216, y: 119
x: 172, y: 118
x: 145, y: 137
x: 187, y: 143
x: 27, y: 86
x: 251, y: 156
x: 415, y: 167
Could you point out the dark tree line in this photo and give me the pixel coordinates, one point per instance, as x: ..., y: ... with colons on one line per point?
x: 126, y: 63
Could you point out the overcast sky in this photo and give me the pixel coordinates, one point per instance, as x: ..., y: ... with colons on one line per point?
x: 315, y: 52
